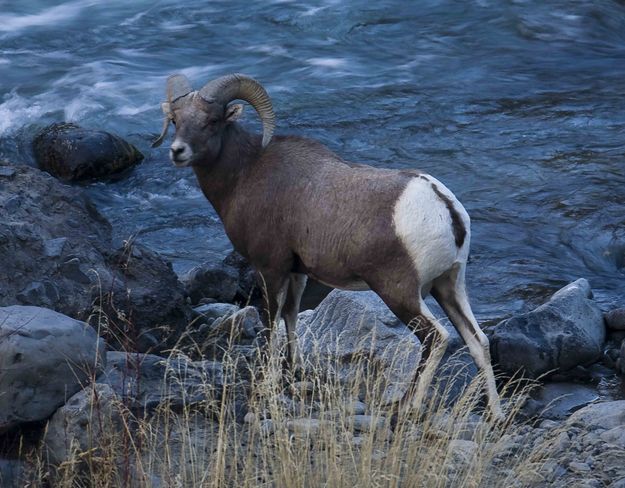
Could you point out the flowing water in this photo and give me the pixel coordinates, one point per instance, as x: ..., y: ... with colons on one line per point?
x: 517, y: 106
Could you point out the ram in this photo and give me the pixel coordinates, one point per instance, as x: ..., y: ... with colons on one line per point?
x: 295, y: 209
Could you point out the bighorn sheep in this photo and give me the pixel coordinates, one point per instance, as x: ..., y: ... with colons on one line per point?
x: 294, y: 209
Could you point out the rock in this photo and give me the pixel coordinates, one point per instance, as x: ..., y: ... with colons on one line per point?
x: 352, y: 330
x: 366, y: 423
x: 145, y: 381
x: 142, y: 301
x: 605, y: 416
x: 73, y: 153
x: 621, y: 360
x: 241, y: 327
x: 12, y: 473
x: 615, y: 319
x: 89, y: 421
x: 308, y: 427
x: 247, y: 286
x: 565, y: 332
x: 614, y: 436
x: 557, y: 401
x: 53, y: 243
x: 212, y: 311
x: 212, y: 279
x: 45, y: 357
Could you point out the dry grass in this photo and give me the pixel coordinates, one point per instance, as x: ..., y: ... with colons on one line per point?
x: 298, y: 434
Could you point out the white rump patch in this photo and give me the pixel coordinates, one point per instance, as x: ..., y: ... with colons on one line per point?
x: 423, y: 224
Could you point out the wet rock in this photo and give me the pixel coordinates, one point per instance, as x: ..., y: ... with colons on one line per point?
x: 145, y: 381
x: 352, y: 330
x: 558, y: 401
x: 53, y: 243
x: 615, y: 319
x: 87, y: 422
x: 143, y: 302
x: 73, y: 153
x: 45, y: 357
x: 565, y: 332
x: 212, y: 279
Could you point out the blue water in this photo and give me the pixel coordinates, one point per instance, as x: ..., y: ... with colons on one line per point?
x: 517, y: 106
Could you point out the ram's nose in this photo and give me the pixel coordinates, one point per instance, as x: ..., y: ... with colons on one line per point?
x: 180, y: 153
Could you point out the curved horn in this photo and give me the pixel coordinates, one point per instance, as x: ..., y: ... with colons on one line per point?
x: 236, y: 86
x: 177, y: 86
x: 166, y: 110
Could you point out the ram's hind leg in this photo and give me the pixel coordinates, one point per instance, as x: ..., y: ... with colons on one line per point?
x: 408, y: 305
x: 449, y: 291
x: 297, y: 284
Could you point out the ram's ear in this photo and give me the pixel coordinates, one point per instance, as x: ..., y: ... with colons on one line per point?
x: 233, y: 112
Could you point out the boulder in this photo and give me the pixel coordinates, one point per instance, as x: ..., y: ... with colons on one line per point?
x: 615, y: 319
x: 602, y: 416
x: 143, y: 303
x: 213, y: 279
x: 351, y: 330
x: 89, y: 421
x: 73, y: 153
x: 621, y: 361
x: 53, y: 242
x: 565, y: 332
x: 145, y: 381
x: 209, y: 312
x: 242, y: 327
x: 12, y: 473
x: 45, y: 357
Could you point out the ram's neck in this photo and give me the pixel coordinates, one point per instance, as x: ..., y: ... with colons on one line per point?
x: 218, y: 180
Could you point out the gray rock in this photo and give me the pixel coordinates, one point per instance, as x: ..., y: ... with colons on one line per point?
x: 212, y: 279
x: 565, y: 332
x: 53, y: 243
x: 145, y: 381
x: 212, y: 311
x: 605, y: 416
x: 143, y: 302
x: 242, y: 328
x: 12, y: 473
x: 615, y: 319
x: 45, y: 357
x: 89, y: 421
x: 351, y: 329
x: 247, y: 287
x: 557, y: 401
x: 621, y: 360
x: 73, y: 153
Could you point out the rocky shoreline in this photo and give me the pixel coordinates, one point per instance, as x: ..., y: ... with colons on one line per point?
x: 82, y: 319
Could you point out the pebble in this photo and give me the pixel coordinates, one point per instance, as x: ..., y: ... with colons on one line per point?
x: 579, y: 467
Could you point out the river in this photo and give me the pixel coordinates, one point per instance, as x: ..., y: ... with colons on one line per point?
x: 517, y: 106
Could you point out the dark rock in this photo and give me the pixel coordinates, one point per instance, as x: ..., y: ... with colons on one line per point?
x: 247, y: 286
x: 557, y: 401
x: 12, y: 473
x: 39, y: 242
x: 565, y: 332
x: 143, y: 303
x: 615, y: 319
x: 146, y: 381
x: 241, y: 327
x: 73, y: 153
x: 212, y: 279
x: 45, y: 357
x: 621, y: 361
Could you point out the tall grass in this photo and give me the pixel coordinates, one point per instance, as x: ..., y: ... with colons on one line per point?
x: 325, y: 431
